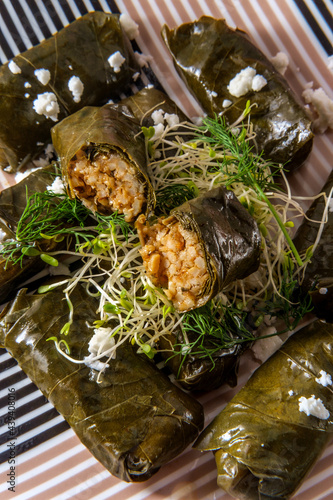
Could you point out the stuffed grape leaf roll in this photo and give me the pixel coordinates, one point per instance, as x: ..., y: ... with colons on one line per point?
x: 199, y: 249
x: 318, y: 276
x: 271, y: 433
x: 59, y: 76
x: 210, y: 56
x: 103, y: 160
x: 133, y: 420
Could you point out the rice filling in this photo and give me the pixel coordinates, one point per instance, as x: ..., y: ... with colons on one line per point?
x: 105, y: 182
x: 174, y: 258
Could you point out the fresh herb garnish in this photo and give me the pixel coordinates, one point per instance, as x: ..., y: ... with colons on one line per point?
x: 50, y: 216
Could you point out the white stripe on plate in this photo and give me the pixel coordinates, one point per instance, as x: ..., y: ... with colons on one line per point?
x: 32, y: 20
x: 322, y: 22
x: 60, y: 12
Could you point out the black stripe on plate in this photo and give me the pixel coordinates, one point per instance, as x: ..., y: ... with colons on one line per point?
x: 12, y: 28
x: 7, y: 364
x: 21, y: 447
x: 13, y: 379
x: 28, y: 425
x: 53, y: 15
x: 42, y: 23
x: 25, y: 22
x: 5, y: 46
x: 326, y: 44
x: 80, y: 5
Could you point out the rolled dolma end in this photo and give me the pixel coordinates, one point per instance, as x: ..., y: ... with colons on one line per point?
x: 317, y: 279
x: 199, y: 249
x: 103, y: 160
x: 30, y: 103
x: 208, y: 54
x: 272, y: 432
x: 133, y: 419
x: 198, y: 374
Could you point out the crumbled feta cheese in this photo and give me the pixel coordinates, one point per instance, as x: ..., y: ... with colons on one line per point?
x: 136, y: 76
x: 14, y: 68
x: 129, y: 26
x: 241, y: 84
x: 159, y: 129
x: 323, y: 291
x: 245, y: 81
x: 70, y: 67
x: 280, y: 62
x: 27, y: 85
x: 46, y: 104
x: 142, y: 60
x: 158, y: 116
x: 57, y: 186
x: 43, y: 76
x: 27, y: 95
x: 322, y: 106
x: 313, y: 406
x: 325, y: 379
x: 291, y: 392
x: 76, y: 87
x: 258, y: 83
x: 171, y: 119
x: 116, y: 60
x: 226, y: 103
x: 99, y: 343
x: 213, y: 94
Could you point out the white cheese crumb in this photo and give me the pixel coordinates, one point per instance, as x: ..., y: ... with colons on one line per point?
x: 70, y: 67
x: 136, y: 76
x: 313, y: 406
x: 197, y: 120
x: 57, y: 186
x: 322, y: 106
x: 242, y: 82
x: 325, y: 379
x: 27, y: 95
x: 158, y: 116
x: 116, y: 60
x: 27, y: 85
x: 171, y: 119
x: 76, y: 87
x: 100, y: 342
x: 159, y: 129
x: 143, y: 60
x: 258, y: 83
x: 213, y: 93
x: 46, y: 104
x: 226, y: 103
x: 280, y: 62
x: 14, y: 68
x: 129, y: 26
x: 245, y: 81
x: 323, y: 291
x: 291, y: 392
x: 43, y: 76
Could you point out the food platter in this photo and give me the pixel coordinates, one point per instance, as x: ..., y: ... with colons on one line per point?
x: 51, y: 461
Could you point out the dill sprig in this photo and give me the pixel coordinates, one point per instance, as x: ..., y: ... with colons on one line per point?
x: 49, y: 216
x: 173, y: 196
x: 250, y: 170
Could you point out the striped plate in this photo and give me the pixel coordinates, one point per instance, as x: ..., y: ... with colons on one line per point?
x: 50, y: 462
